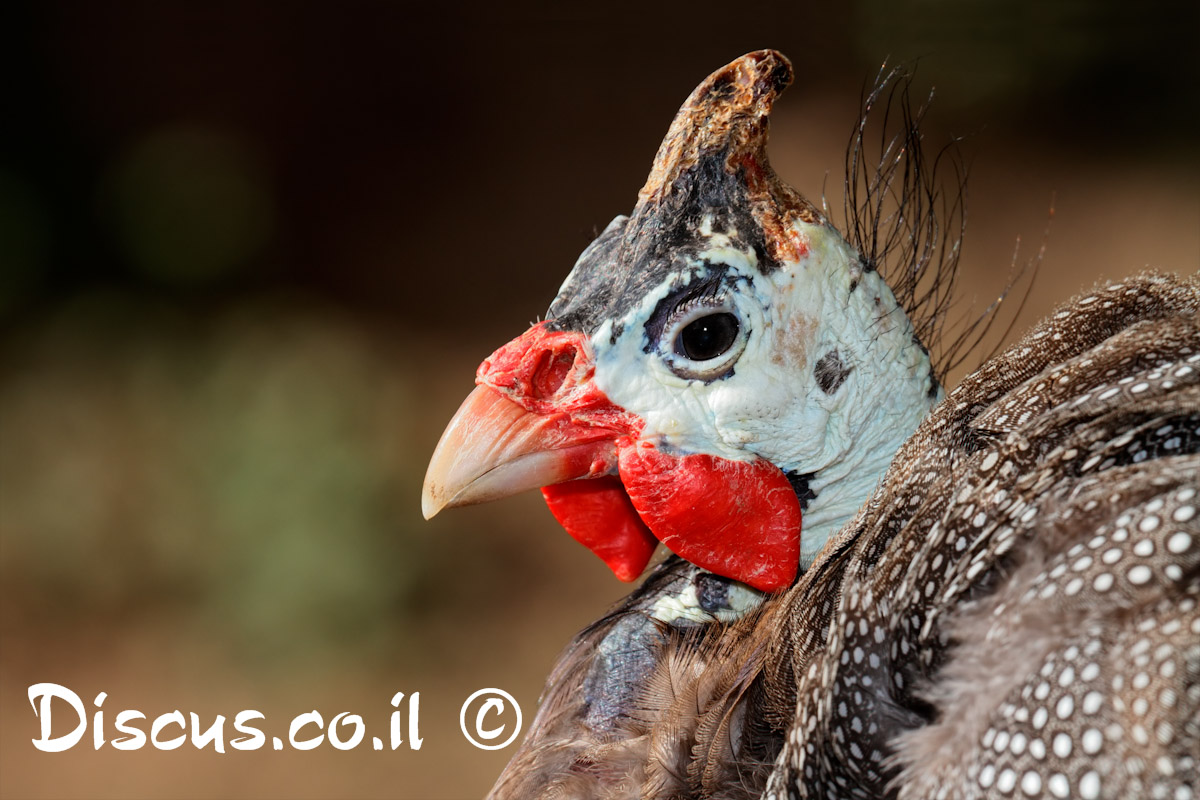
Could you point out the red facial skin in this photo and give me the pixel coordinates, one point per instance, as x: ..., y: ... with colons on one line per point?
x: 739, y: 519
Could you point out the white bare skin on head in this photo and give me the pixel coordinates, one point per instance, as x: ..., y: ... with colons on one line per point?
x: 788, y: 321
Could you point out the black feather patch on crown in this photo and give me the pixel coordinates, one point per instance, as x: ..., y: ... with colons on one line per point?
x: 711, y: 166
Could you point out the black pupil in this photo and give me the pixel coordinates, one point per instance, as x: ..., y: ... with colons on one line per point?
x: 707, y: 337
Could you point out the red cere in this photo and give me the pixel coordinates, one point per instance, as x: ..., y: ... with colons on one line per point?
x: 597, y: 513
x: 738, y: 519
x: 547, y: 371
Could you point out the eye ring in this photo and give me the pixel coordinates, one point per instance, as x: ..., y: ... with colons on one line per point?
x: 704, y: 340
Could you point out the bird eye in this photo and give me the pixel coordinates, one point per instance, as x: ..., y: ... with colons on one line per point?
x: 708, y: 337
x: 704, y: 340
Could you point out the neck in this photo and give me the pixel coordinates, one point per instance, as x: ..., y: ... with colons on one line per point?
x: 873, y: 385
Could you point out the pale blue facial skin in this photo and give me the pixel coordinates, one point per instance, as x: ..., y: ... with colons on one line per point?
x: 771, y: 405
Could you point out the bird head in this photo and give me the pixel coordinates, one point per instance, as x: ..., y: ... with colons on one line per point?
x: 721, y: 371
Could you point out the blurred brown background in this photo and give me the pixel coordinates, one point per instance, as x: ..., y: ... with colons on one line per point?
x: 251, y: 253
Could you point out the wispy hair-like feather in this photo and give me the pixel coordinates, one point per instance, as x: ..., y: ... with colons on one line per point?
x: 908, y: 220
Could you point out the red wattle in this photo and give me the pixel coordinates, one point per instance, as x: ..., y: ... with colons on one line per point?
x: 597, y: 513
x: 739, y: 519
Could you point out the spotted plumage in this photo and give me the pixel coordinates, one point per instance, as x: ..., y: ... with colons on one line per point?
x: 1013, y: 613
x: 1019, y: 540
x: 993, y: 594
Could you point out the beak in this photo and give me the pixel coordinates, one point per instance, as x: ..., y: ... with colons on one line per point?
x: 537, y: 419
x: 494, y: 448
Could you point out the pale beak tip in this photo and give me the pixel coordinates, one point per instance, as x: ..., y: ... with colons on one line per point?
x: 495, y: 448
x: 430, y: 503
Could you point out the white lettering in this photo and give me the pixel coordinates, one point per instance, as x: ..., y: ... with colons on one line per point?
x: 257, y: 739
x: 215, y: 733
x: 397, y: 698
x: 136, y: 738
x: 311, y: 718
x: 176, y: 718
x: 98, y: 722
x: 360, y: 730
x: 493, y: 703
x: 414, y: 710
x: 47, y: 692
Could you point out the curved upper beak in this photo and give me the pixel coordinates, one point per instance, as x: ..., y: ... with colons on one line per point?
x: 494, y: 448
x: 536, y: 420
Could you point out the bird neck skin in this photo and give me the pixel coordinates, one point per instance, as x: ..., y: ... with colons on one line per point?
x: 859, y: 383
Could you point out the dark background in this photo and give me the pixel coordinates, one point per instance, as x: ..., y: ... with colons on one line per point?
x: 251, y: 253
